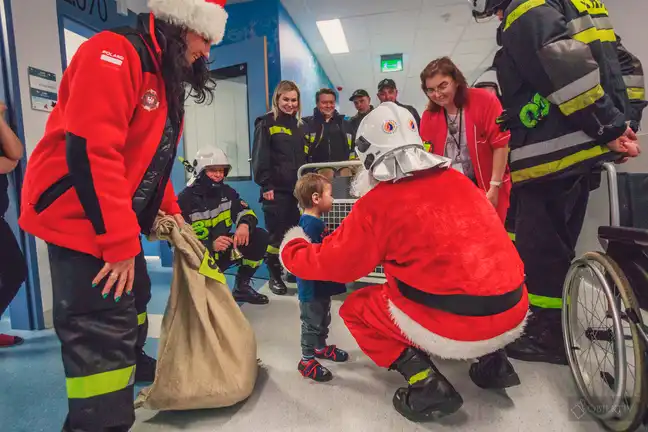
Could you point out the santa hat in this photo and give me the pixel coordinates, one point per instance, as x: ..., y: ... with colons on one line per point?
x: 205, y: 17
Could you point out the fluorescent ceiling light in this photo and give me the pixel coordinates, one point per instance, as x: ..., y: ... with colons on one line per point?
x: 333, y: 35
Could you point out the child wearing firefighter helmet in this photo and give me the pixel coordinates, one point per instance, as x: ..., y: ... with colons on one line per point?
x: 212, y: 208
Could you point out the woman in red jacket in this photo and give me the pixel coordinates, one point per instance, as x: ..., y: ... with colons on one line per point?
x: 97, y: 179
x: 459, y: 123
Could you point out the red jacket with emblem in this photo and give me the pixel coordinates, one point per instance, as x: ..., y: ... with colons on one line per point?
x: 101, y: 172
x: 442, y: 240
x: 483, y: 135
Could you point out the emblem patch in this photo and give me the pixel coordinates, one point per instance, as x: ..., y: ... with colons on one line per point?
x: 412, y: 125
x: 150, y: 100
x: 390, y: 126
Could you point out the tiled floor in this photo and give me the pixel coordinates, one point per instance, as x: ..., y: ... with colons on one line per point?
x: 32, y: 393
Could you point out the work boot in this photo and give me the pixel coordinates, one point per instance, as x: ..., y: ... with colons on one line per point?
x: 145, y: 368
x: 542, y: 340
x: 494, y: 371
x: 429, y: 395
x: 276, y: 284
x: 244, y: 293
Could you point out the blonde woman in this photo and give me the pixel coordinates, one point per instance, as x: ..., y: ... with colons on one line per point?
x: 278, y: 151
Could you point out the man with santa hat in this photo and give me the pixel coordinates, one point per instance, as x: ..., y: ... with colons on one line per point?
x: 455, y: 283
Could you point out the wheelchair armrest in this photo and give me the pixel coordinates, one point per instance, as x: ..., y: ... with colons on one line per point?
x: 637, y: 236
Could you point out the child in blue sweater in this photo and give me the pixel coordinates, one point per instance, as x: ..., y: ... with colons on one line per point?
x: 313, y: 191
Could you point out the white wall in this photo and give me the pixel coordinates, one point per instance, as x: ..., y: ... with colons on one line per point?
x: 72, y: 43
x: 37, y: 45
x: 223, y: 123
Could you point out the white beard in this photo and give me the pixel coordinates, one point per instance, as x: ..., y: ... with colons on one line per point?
x: 362, y: 183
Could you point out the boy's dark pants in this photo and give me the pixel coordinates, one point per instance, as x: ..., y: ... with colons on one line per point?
x: 315, y: 318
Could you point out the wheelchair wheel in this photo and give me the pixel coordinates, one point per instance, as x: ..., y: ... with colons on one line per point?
x: 616, y: 392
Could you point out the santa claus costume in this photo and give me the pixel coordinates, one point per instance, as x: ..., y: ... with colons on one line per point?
x: 455, y: 283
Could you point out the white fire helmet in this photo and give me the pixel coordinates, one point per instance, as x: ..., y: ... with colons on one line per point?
x: 389, y: 145
x: 209, y: 157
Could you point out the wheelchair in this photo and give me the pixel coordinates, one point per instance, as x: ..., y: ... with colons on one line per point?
x: 603, y: 297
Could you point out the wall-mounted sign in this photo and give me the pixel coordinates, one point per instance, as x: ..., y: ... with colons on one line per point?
x: 43, y: 89
x: 391, y: 63
x: 93, y: 7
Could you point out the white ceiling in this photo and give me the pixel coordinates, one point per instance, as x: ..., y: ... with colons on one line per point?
x: 421, y: 30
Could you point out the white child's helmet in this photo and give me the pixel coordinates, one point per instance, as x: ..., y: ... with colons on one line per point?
x: 389, y: 145
x: 209, y: 157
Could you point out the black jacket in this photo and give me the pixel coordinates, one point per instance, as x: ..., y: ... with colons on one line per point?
x: 212, y: 208
x: 356, y: 120
x: 279, y: 149
x: 633, y: 77
x: 330, y: 141
x: 412, y: 110
x: 562, y: 88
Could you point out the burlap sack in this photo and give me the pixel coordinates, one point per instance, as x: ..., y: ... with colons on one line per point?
x: 207, y: 355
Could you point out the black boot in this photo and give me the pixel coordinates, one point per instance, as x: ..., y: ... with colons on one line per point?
x: 276, y: 284
x: 145, y: 368
x: 244, y: 293
x: 429, y: 394
x: 494, y: 371
x: 542, y: 340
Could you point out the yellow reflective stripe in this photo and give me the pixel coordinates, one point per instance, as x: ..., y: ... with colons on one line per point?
x: 521, y: 10
x: 248, y: 212
x: 100, y: 384
x: 209, y: 268
x: 636, y: 93
x: 226, y: 217
x: 545, y: 302
x: 582, y: 101
x: 427, y: 146
x: 141, y: 318
x: 592, y: 7
x: 250, y: 263
x: 419, y: 376
x: 559, y: 165
x: 353, y: 156
x: 279, y: 129
x: 272, y: 250
x: 511, y: 236
x: 306, y: 149
x: 593, y: 34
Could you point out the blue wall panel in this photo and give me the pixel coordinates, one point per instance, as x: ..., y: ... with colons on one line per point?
x: 298, y: 63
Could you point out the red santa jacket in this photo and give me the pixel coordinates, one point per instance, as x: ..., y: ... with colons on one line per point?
x: 483, y: 136
x: 440, y: 241
x: 100, y: 173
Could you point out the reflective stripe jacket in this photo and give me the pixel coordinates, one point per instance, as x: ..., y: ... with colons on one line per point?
x: 633, y: 78
x: 279, y: 149
x: 330, y: 141
x: 561, y: 85
x: 212, y: 208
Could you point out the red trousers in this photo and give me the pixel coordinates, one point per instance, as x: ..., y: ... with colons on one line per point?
x: 366, y: 314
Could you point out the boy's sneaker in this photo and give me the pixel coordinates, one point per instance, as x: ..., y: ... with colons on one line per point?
x: 333, y: 353
x: 311, y: 368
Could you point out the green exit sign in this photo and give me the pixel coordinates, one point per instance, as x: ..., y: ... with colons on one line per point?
x: 391, y: 63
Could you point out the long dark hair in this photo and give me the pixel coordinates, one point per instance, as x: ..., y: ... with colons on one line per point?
x: 177, y: 71
x: 445, y: 66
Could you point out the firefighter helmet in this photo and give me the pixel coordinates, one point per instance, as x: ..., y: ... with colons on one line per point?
x: 487, y: 8
x: 389, y: 145
x: 209, y: 157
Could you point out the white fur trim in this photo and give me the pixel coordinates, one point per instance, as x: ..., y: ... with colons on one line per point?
x: 293, y: 233
x: 440, y: 346
x: 207, y: 19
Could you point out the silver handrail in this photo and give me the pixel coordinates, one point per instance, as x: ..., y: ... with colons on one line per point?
x: 613, y: 190
x: 341, y: 164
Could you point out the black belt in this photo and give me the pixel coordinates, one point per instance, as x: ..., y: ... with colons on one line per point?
x: 462, y: 304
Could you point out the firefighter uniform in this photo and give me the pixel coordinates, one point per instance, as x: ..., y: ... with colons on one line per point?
x: 212, y: 208
x: 564, y: 100
x: 330, y: 141
x: 279, y: 150
x: 633, y: 78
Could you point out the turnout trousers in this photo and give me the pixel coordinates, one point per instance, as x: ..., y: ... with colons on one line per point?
x: 99, y: 340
